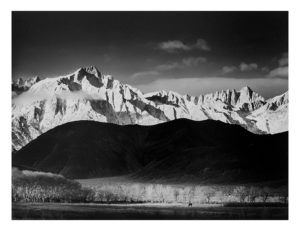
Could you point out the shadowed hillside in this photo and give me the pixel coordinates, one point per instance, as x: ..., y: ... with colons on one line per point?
x: 181, y: 150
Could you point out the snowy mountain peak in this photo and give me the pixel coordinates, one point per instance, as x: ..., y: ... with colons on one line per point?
x: 89, y: 70
x: 19, y: 81
x: 249, y: 100
x: 273, y: 116
x: 31, y: 81
x: 278, y: 101
x: 246, y: 90
x: 108, y: 81
x: 245, y: 99
x: 20, y: 85
x: 165, y: 97
x: 94, y: 77
x: 87, y: 94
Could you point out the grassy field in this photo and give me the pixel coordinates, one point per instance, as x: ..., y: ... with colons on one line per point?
x: 143, y: 211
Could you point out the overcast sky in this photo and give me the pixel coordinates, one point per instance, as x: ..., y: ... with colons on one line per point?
x: 188, y: 52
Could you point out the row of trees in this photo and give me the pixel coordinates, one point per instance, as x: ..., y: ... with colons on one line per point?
x: 158, y: 193
x: 41, y: 187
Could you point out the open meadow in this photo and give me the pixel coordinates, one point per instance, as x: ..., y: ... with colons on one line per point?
x: 142, y: 211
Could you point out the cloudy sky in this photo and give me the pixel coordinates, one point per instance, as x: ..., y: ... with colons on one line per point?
x: 188, y: 52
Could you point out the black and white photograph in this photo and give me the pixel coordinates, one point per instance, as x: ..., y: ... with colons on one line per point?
x: 149, y: 115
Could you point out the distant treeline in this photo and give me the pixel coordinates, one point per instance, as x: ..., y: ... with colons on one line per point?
x: 30, y: 186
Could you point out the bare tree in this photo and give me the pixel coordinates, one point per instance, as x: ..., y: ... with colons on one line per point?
x: 158, y: 189
x: 228, y: 190
x: 143, y: 193
x: 241, y: 192
x: 253, y: 193
x: 185, y: 194
x: 191, y: 193
x: 284, y: 198
x: 176, y: 194
x: 282, y: 195
x: 265, y: 193
x: 209, y: 194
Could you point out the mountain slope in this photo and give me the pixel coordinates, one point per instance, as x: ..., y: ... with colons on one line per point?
x: 19, y: 86
x: 180, y: 150
x: 87, y: 94
x: 273, y: 116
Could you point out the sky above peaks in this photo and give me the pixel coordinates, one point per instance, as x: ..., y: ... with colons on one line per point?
x: 188, y: 52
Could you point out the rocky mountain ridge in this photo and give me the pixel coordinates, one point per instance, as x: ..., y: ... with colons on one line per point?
x: 87, y: 94
x: 19, y: 85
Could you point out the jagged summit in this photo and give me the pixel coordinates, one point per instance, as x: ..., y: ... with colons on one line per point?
x: 20, y: 82
x: 279, y: 100
x: 246, y: 89
x: 36, y: 79
x: 244, y: 99
x: 90, y: 70
x: 20, y: 85
x: 273, y: 116
x: 246, y: 92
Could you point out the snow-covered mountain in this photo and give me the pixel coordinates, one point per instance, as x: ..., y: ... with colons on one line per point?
x: 273, y: 116
x: 86, y: 94
x: 19, y: 86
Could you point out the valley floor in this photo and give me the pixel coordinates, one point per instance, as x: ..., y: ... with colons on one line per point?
x: 67, y: 211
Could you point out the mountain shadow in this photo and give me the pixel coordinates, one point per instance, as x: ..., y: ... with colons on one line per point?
x: 180, y: 151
